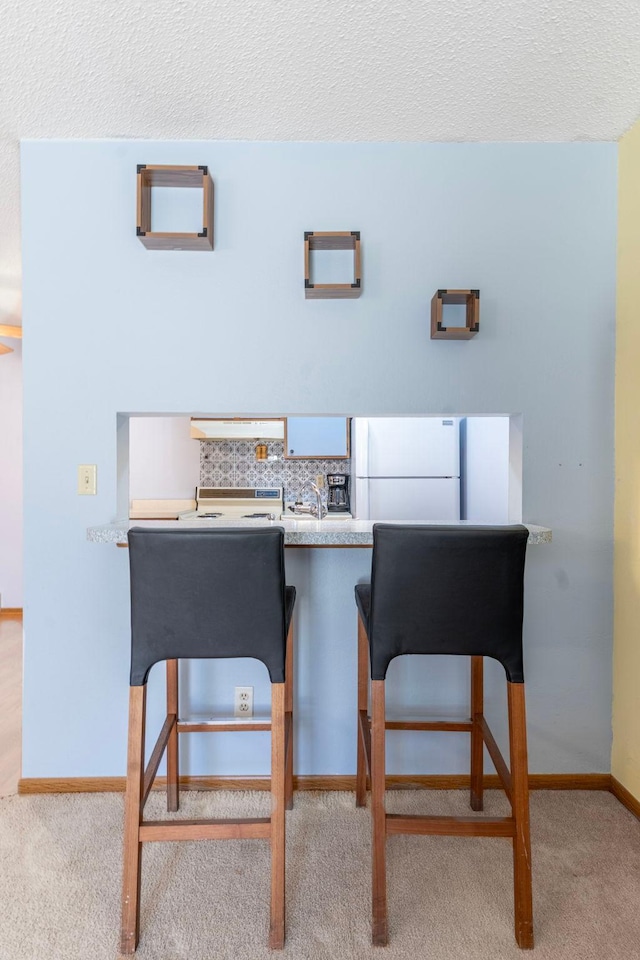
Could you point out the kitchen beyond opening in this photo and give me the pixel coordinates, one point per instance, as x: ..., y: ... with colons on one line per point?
x: 429, y: 469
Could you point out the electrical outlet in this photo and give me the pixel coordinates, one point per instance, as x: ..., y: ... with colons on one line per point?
x: 87, y: 479
x: 320, y: 480
x: 243, y: 701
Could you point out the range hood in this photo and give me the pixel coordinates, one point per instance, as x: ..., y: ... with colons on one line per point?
x: 237, y: 429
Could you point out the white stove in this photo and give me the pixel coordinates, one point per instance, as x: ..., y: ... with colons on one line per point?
x: 236, y: 503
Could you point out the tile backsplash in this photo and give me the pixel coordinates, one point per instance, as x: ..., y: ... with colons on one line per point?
x: 232, y: 463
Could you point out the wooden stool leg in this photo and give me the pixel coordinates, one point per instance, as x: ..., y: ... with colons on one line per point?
x: 276, y: 933
x: 173, y: 754
x: 132, y: 873
x: 363, y: 706
x: 289, y: 719
x: 380, y: 933
x: 520, y: 802
x: 477, y: 743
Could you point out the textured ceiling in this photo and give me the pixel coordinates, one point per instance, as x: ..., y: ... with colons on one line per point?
x: 302, y: 70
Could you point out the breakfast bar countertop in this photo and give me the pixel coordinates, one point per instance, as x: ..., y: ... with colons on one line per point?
x: 297, y: 533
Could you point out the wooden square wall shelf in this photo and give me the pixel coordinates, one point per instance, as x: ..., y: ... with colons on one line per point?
x: 169, y: 176
x: 471, y: 298
x: 345, y: 240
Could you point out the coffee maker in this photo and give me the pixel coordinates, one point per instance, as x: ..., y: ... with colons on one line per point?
x: 338, y: 492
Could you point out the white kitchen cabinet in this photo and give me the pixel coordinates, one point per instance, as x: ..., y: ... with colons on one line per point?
x: 324, y: 438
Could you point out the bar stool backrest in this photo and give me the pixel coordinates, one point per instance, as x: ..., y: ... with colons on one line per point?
x: 207, y: 593
x: 447, y: 590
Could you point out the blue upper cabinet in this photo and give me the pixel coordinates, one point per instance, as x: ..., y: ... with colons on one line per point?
x: 322, y: 437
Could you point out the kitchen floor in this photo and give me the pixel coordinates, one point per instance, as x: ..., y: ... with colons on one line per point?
x: 450, y: 898
x: 11, y: 700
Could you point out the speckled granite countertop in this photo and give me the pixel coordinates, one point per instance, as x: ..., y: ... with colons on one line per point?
x: 297, y: 533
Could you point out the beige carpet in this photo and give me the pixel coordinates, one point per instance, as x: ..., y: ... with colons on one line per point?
x: 449, y: 899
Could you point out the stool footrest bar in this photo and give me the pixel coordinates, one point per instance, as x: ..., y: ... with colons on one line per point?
x: 222, y: 726
x: 451, y: 826
x: 161, y: 830
x: 455, y: 726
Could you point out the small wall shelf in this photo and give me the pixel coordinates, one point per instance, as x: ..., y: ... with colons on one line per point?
x: 469, y: 298
x: 170, y: 176
x: 345, y: 240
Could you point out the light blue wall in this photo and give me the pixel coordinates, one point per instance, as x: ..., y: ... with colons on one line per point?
x: 111, y: 327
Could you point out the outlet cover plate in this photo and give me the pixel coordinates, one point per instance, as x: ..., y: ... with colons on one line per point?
x: 243, y: 702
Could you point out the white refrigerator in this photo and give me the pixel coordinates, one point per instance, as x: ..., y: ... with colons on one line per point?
x: 407, y: 469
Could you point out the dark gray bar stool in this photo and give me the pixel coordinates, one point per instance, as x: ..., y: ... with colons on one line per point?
x: 445, y: 590
x: 206, y: 594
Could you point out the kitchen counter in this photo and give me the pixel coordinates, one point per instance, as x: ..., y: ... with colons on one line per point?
x: 297, y: 533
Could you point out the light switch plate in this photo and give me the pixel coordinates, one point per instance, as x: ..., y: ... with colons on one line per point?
x: 87, y: 479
